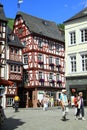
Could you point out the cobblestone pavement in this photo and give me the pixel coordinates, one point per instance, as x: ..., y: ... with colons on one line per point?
x: 37, y: 119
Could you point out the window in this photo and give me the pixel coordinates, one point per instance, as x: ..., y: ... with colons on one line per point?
x: 57, y: 47
x: 10, y: 101
x: 57, y: 76
x: 2, y: 29
x: 57, y: 61
x: 51, y: 45
x: 39, y: 57
x: 83, y: 35
x: 51, y: 76
x: 73, y: 63
x: 26, y: 77
x: 15, y: 68
x: 40, y: 43
x: 11, y: 68
x: 84, y: 62
x: 16, y: 50
x: 50, y: 60
x: 19, y: 68
x: 25, y: 59
x: 11, y: 37
x: 40, y: 75
x: 72, y: 38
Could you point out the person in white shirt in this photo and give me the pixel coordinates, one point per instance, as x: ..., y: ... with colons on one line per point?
x: 64, y: 103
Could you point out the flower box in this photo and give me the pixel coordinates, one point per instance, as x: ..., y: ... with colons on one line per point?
x: 52, y: 81
x: 41, y: 80
x: 59, y: 82
x: 40, y: 62
x: 51, y: 64
x: 58, y: 66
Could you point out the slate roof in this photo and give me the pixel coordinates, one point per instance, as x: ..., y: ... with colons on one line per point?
x: 81, y: 14
x: 16, y: 42
x: 42, y: 27
x: 2, y: 14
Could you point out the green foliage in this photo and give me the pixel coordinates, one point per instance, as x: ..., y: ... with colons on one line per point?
x: 61, y: 26
x: 10, y: 22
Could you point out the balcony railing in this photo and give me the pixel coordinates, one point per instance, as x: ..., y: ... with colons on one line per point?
x: 15, y: 58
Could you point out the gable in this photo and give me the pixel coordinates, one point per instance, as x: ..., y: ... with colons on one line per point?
x: 41, y: 26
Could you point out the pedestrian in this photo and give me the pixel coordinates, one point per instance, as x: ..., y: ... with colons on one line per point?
x: 76, y: 103
x: 81, y: 106
x: 64, y: 103
x: 80, y: 110
x: 16, y: 102
x: 45, y: 102
x: 52, y: 101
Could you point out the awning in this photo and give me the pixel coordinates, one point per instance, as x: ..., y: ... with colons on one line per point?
x: 6, y: 82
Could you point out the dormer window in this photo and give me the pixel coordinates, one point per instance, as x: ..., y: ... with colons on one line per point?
x: 11, y: 37
x: 57, y: 48
x: 40, y: 43
x: 45, y: 23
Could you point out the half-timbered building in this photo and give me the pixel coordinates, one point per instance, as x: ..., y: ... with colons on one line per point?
x: 43, y: 57
x: 11, y: 66
x: 3, y: 24
x: 14, y: 65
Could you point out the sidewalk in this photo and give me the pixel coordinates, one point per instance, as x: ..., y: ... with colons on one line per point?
x: 37, y: 119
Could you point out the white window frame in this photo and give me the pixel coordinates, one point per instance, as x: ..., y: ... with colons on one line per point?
x: 50, y: 59
x: 84, y: 62
x: 57, y: 61
x: 40, y: 75
x: 51, y: 76
x: 40, y: 43
x: 72, y: 38
x: 40, y: 57
x: 73, y: 64
x: 84, y: 37
x: 25, y: 58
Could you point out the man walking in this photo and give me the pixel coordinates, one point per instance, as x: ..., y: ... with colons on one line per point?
x: 64, y: 103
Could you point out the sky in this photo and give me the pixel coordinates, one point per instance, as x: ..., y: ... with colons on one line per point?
x: 57, y: 11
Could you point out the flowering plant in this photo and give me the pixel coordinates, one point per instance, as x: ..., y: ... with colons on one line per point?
x: 59, y: 81
x: 51, y: 64
x: 58, y: 66
x: 41, y: 80
x: 40, y: 62
x: 52, y: 81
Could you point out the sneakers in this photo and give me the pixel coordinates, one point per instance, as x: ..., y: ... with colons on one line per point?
x: 64, y: 118
x: 83, y: 119
x: 76, y: 118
